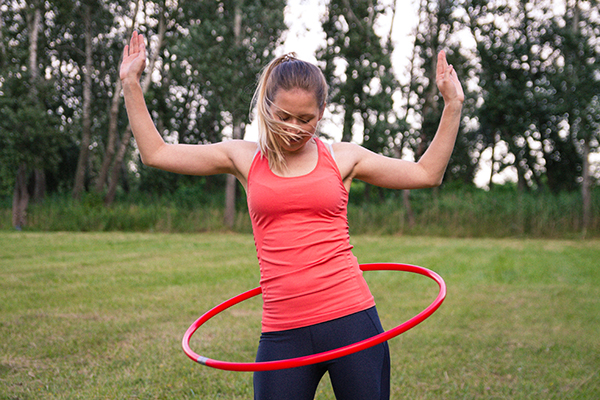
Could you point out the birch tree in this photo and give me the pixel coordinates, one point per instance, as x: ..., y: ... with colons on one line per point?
x: 228, y: 44
x: 29, y: 138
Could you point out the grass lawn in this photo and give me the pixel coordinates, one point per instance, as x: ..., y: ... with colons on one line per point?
x: 101, y: 316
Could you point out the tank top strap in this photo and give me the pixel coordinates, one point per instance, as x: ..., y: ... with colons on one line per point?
x: 326, y: 155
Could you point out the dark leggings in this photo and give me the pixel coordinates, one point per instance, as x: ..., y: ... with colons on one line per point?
x: 360, y: 376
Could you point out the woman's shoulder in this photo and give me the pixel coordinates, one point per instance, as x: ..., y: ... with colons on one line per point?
x: 240, y: 144
x: 239, y: 148
x: 241, y: 153
x: 347, y: 155
x: 344, y: 146
x: 347, y: 150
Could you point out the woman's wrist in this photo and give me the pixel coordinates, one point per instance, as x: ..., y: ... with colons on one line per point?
x: 131, y: 87
x: 454, y: 105
x: 130, y: 82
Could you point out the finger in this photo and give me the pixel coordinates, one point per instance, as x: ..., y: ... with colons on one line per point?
x: 442, y: 64
x: 134, y: 42
x: 125, y: 51
x: 142, y: 44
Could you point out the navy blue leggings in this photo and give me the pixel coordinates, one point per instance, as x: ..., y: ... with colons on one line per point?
x: 360, y: 376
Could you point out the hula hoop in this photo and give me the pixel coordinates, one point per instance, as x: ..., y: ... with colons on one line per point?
x: 319, y: 357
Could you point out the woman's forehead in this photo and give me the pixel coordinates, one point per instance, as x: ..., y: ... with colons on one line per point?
x: 295, y: 100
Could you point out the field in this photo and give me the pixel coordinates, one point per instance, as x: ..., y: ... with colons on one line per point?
x: 101, y: 316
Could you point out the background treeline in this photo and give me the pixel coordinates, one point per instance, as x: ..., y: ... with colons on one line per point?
x: 530, y: 70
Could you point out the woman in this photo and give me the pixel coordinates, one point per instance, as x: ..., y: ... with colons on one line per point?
x: 314, y: 296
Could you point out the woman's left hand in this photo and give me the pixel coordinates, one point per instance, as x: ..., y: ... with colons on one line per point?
x: 134, y: 59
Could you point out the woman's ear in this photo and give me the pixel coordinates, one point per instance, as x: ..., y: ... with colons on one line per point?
x: 322, y: 111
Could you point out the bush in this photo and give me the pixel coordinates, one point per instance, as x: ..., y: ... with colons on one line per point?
x: 449, y: 213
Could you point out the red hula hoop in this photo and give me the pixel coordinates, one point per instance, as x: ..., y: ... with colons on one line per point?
x: 319, y: 357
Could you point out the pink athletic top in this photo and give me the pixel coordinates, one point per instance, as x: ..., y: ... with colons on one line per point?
x: 308, y: 272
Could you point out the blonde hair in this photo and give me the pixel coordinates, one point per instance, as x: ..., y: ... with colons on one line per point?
x: 283, y: 73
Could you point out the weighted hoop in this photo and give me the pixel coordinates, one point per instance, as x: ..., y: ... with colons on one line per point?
x: 319, y: 357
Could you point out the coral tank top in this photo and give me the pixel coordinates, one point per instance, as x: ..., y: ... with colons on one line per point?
x: 308, y: 272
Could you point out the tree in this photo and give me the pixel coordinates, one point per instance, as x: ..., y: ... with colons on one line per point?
x: 113, y: 116
x: 155, y: 52
x: 575, y: 36
x: 218, y: 62
x: 533, y: 68
x: 437, y: 30
x: 88, y: 53
x: 29, y: 138
x: 359, y: 72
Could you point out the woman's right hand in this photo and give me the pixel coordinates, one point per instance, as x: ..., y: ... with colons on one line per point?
x: 447, y: 81
x: 134, y: 59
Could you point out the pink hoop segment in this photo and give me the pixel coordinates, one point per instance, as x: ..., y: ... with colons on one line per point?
x: 319, y: 357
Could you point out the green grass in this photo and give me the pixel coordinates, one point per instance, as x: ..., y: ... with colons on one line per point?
x: 101, y: 316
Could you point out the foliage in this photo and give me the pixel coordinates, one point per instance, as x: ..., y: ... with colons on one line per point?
x: 364, y: 88
x: 30, y: 131
x: 436, y: 30
x: 213, y: 67
x: 532, y: 83
x: 540, y: 84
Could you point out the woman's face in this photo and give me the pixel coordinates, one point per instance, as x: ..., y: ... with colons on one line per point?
x: 297, y: 107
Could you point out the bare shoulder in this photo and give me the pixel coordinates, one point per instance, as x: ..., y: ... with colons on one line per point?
x: 346, y: 150
x: 241, y: 153
x: 344, y: 146
x: 347, y: 155
x: 357, y: 162
x: 240, y: 147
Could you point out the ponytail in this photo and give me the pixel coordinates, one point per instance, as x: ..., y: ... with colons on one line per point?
x: 283, y: 73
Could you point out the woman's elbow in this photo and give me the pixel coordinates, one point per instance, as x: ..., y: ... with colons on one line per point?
x: 146, y: 160
x: 154, y: 157
x: 433, y: 181
x: 429, y: 176
x: 149, y: 161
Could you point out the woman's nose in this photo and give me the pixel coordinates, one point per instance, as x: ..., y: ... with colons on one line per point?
x: 294, y: 125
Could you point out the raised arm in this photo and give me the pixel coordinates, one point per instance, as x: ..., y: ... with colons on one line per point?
x: 357, y: 162
x: 224, y: 157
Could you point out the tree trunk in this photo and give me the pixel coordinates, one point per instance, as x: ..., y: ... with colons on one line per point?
x: 231, y: 183
x: 20, y: 198
x: 586, y: 193
x: 492, y: 161
x: 2, y: 44
x: 111, y: 142
x: 34, y: 25
x: 230, y: 194
x: 116, y: 168
x: 20, y: 193
x: 39, y: 185
x: 348, y: 123
x: 39, y: 176
x: 86, y: 133
x: 410, y: 215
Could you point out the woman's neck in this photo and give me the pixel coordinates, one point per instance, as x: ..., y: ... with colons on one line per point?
x: 301, y: 161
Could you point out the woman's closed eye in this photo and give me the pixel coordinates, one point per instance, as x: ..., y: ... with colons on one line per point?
x: 288, y: 118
